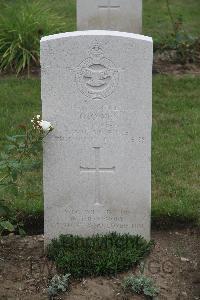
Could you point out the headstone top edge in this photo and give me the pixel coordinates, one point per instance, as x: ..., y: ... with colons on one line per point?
x: 96, y: 33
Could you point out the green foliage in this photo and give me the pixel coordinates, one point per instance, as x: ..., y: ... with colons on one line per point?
x: 19, y: 157
x: 22, y: 24
x: 140, y: 284
x: 97, y: 255
x: 6, y: 225
x: 8, y: 222
x: 58, y: 284
x: 4, y: 210
x: 157, y: 21
x: 179, y: 46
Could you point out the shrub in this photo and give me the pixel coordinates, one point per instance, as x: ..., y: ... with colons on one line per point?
x: 179, y: 46
x: 140, y: 285
x: 20, y: 156
x: 58, y: 284
x: 97, y: 255
x: 22, y: 24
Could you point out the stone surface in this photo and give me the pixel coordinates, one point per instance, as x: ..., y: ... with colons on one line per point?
x: 96, y: 91
x: 121, y: 15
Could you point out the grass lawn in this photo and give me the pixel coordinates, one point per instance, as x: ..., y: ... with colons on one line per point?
x: 156, y: 21
x: 176, y: 143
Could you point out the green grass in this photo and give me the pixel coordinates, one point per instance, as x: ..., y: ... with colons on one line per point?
x: 22, y: 24
x: 19, y: 101
x: 97, y: 255
x: 176, y: 143
x: 156, y: 20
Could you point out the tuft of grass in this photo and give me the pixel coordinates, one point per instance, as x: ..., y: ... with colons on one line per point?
x: 97, y: 255
x: 22, y: 24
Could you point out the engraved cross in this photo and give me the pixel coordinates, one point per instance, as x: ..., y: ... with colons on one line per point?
x: 97, y: 170
x: 107, y: 7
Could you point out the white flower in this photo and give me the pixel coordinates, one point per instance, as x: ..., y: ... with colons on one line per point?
x: 45, y: 125
x: 38, y: 116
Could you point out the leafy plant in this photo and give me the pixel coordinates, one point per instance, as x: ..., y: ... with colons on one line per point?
x: 18, y: 158
x: 97, y: 255
x: 4, y: 210
x: 5, y: 224
x: 179, y: 46
x: 58, y: 284
x: 8, y: 222
x: 140, y: 284
x: 22, y: 24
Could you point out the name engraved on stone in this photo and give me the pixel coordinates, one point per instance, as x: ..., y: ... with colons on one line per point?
x: 97, y: 170
x: 97, y: 76
x: 110, y: 4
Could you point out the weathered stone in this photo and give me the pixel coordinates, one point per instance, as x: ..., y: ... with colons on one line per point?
x: 96, y: 91
x: 121, y: 15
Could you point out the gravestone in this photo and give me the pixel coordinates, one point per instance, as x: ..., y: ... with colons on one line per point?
x: 96, y: 91
x: 121, y: 15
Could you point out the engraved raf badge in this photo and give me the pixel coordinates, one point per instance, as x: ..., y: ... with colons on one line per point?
x: 97, y: 76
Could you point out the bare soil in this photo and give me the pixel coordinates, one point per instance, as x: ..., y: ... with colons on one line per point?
x: 174, y: 264
x: 161, y: 66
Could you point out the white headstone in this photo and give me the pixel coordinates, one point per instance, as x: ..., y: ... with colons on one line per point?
x: 96, y: 91
x: 121, y: 15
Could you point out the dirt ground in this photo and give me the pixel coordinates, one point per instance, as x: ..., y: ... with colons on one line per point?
x: 174, y: 264
x: 161, y: 66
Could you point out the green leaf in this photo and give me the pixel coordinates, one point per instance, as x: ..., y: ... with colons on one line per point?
x: 31, y: 165
x: 10, y: 147
x: 4, y: 210
x: 14, y: 174
x: 22, y: 232
x: 17, y: 136
x: 14, y: 164
x: 11, y: 138
x: 6, y: 225
x: 13, y: 189
x: 3, y: 164
x: 4, y: 155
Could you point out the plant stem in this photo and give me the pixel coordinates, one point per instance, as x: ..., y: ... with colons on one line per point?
x: 171, y: 17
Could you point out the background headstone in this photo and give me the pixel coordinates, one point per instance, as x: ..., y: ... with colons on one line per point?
x: 96, y: 91
x: 120, y: 15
